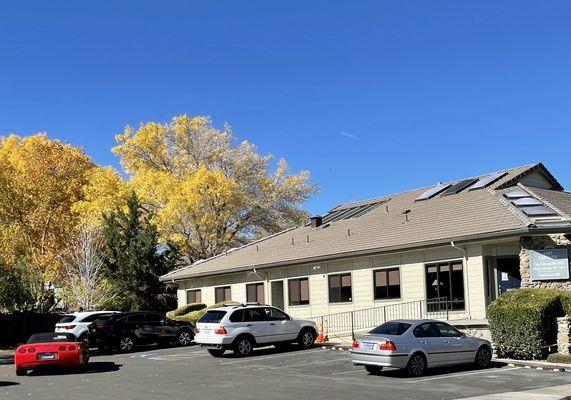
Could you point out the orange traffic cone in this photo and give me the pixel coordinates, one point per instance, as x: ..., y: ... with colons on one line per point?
x: 321, y: 338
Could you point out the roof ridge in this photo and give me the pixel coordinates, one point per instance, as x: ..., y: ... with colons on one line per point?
x: 391, y: 195
x: 510, y: 207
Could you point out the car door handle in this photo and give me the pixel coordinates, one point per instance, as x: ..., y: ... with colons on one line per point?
x: 272, y: 323
x: 249, y: 325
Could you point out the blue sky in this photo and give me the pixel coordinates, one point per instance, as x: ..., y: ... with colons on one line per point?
x: 373, y: 97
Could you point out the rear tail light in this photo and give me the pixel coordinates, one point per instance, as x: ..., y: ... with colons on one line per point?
x: 71, y: 348
x: 62, y: 348
x: 21, y: 350
x: 32, y: 350
x: 69, y: 327
x: 355, y: 344
x: 388, y: 345
x: 196, y: 330
x: 221, y: 331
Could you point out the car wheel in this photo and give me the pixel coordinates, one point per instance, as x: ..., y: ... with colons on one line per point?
x: 373, y: 369
x: 306, y: 338
x: 216, y: 352
x: 243, y: 346
x: 127, y: 344
x: 483, y: 357
x: 416, y: 365
x: 184, y: 338
x: 21, y: 372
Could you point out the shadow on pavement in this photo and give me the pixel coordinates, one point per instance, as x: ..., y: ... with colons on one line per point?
x: 92, y: 368
x: 398, y: 373
x: 4, y: 383
x: 264, y: 351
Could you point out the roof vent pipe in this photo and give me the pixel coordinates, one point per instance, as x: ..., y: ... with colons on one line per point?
x: 316, y: 221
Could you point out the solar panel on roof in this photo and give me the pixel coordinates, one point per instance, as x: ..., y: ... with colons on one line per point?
x: 349, y: 212
x: 538, y: 211
x: 516, y: 194
x: 459, y: 186
x: 432, y: 191
x: 526, y: 202
x: 486, y: 180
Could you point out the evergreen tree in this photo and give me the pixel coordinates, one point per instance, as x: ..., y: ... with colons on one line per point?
x: 134, y: 261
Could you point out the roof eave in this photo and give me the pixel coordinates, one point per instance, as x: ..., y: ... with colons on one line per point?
x: 383, y: 250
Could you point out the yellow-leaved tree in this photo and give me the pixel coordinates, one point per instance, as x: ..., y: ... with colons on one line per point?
x: 208, y: 193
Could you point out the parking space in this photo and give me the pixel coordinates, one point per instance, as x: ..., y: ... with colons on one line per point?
x: 185, y: 373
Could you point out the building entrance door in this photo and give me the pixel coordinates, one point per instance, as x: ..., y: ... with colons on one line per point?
x: 278, y: 294
x: 509, y: 276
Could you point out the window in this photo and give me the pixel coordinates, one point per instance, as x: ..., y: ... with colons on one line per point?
x: 237, y: 316
x: 339, y: 288
x: 274, y: 314
x: 93, y: 317
x: 387, y: 284
x: 426, y: 330
x: 136, y: 318
x: 222, y: 293
x: 445, y: 286
x: 255, y: 292
x: 391, y: 328
x: 155, y: 317
x: 193, y: 296
x: 212, y: 317
x: 298, y: 290
x: 66, y: 319
x: 448, y: 330
x: 255, y: 315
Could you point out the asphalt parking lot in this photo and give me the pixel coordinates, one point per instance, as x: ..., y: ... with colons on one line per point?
x: 191, y: 373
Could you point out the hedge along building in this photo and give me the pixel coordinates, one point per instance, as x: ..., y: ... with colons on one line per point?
x: 465, y: 241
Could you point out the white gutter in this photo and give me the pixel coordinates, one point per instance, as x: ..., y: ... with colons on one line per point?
x: 467, y: 291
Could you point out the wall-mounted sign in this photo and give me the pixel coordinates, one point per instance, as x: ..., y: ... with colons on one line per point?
x: 547, y: 265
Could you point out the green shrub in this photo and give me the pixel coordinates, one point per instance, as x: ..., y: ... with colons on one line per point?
x: 523, y: 322
x: 558, y: 358
x: 195, y: 314
x: 188, y: 308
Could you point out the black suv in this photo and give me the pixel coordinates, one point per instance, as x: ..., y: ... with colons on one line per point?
x: 126, y: 330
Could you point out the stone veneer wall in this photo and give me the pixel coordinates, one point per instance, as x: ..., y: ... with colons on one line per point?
x: 537, y: 243
x: 563, y: 335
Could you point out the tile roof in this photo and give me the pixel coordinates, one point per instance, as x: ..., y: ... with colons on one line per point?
x: 467, y: 214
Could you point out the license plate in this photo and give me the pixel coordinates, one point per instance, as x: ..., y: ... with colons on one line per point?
x: 368, y: 346
x: 206, y: 331
x: 47, y: 356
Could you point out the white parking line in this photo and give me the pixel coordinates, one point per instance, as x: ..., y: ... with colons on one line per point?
x: 460, y: 374
x: 293, y: 353
x: 305, y: 364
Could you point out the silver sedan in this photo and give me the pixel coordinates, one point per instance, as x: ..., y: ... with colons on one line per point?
x: 416, y: 345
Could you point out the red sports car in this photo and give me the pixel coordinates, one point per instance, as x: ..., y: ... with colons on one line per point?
x: 62, y: 349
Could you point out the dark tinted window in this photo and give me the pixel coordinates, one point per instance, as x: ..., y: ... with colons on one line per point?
x: 52, y: 337
x: 223, y: 293
x: 255, y: 292
x: 91, y: 318
x: 339, y: 288
x: 67, y: 319
x: 426, y: 330
x: 274, y: 314
x: 298, y: 291
x: 387, y: 284
x: 445, y: 286
x: 212, y: 317
x: 237, y: 316
x: 391, y: 328
x: 255, y: 315
x: 155, y: 317
x: 136, y: 318
x: 448, y: 330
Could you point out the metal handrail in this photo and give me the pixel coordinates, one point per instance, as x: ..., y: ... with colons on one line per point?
x: 350, y: 321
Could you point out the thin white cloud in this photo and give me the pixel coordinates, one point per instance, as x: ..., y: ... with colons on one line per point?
x: 349, y: 135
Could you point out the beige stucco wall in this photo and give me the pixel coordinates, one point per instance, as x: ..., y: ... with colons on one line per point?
x: 412, y: 276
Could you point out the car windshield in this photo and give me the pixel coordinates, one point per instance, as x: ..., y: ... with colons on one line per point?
x: 212, y: 317
x: 391, y: 328
x: 51, y: 337
x: 67, y: 319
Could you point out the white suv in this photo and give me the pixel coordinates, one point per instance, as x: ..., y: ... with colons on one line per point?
x: 78, y: 323
x: 242, y: 327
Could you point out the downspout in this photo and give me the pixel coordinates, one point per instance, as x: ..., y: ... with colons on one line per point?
x: 463, y: 250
